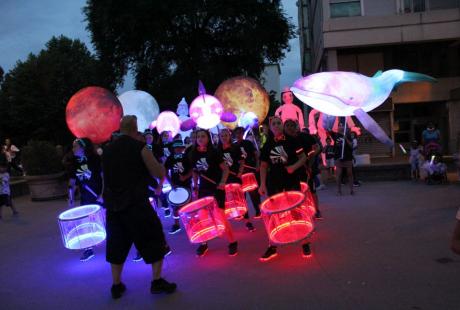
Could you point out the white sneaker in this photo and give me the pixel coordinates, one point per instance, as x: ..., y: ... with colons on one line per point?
x: 321, y: 187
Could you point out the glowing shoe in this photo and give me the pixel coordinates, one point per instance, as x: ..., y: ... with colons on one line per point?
x: 175, y: 229
x: 269, y: 254
x: 117, y: 290
x: 138, y: 257
x: 87, y: 255
x: 306, y: 251
x: 162, y: 286
x: 233, y: 248
x: 250, y: 227
x: 202, y: 249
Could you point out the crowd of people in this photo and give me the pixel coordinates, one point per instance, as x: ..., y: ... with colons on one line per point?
x: 126, y: 176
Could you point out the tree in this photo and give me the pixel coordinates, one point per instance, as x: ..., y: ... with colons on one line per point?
x: 170, y: 45
x: 35, y: 92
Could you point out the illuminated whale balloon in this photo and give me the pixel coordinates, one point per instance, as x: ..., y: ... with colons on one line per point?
x: 348, y: 93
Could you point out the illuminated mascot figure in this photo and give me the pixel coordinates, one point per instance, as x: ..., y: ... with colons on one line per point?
x: 289, y: 110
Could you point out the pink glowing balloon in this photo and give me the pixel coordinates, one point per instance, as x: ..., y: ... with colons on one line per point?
x: 206, y: 111
x: 168, y: 121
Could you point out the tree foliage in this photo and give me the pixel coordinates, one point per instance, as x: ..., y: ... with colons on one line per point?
x: 35, y: 92
x: 170, y: 45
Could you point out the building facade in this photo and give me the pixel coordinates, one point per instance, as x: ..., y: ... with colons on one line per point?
x: 412, y: 35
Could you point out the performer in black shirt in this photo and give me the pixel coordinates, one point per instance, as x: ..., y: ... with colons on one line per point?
x: 251, y: 164
x: 280, y: 159
x: 177, y: 170
x: 208, y: 166
x: 234, y: 159
x: 128, y: 164
x: 86, y: 173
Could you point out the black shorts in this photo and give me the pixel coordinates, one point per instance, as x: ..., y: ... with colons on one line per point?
x: 138, y: 224
x: 217, y: 193
x: 5, y: 200
x: 275, y: 188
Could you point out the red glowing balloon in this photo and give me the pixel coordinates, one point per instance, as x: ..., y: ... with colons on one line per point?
x: 94, y: 113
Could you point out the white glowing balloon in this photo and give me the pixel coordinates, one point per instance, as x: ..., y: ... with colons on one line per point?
x: 206, y: 111
x: 141, y: 104
x: 168, y: 121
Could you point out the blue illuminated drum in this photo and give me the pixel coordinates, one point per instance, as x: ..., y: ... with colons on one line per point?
x: 179, y: 197
x: 82, y: 227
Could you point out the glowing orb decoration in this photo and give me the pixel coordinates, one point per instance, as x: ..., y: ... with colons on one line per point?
x: 243, y: 94
x: 247, y: 120
x: 348, y: 93
x: 285, y: 217
x: 168, y: 121
x: 82, y: 227
x: 202, y: 220
x: 94, y: 113
x: 249, y: 182
x: 205, y: 111
x: 141, y: 104
x: 235, y: 201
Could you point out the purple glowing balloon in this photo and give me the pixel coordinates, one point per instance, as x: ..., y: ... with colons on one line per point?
x: 228, y: 117
x: 188, y: 124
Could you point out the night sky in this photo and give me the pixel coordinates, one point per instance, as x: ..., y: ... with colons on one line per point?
x: 26, y: 25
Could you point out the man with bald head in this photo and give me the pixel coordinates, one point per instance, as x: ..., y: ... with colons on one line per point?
x: 128, y: 165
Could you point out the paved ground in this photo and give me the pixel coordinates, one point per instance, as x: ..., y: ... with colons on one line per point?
x: 376, y: 250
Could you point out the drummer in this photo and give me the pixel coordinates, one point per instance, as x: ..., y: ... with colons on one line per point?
x: 178, y: 168
x: 233, y: 158
x: 280, y: 158
x: 311, y: 149
x: 251, y: 164
x: 208, y: 166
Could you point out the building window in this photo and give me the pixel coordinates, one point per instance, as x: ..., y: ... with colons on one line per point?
x: 414, y: 6
x: 345, y: 8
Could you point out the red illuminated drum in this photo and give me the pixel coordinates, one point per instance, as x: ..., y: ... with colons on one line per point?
x: 235, y: 202
x: 202, y: 220
x: 309, y: 202
x: 249, y: 182
x: 285, y: 217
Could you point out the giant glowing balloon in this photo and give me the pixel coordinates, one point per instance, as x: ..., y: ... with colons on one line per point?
x: 240, y: 95
x: 141, y: 104
x: 348, y: 93
x: 94, y: 113
x: 205, y: 111
x: 168, y: 121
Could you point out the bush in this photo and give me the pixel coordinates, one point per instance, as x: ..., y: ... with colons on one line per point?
x: 40, y: 158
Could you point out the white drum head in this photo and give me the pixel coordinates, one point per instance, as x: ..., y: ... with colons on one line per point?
x: 178, y: 196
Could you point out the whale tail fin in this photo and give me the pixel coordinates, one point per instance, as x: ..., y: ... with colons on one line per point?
x: 371, y: 125
x: 395, y: 77
x: 416, y: 77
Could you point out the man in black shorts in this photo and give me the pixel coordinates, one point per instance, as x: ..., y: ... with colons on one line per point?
x: 127, y: 165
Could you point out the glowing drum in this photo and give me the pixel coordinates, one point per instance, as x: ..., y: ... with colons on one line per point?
x: 202, y: 220
x: 179, y: 197
x: 82, y: 227
x: 285, y: 217
x: 249, y: 182
x: 235, y: 202
x: 309, y: 204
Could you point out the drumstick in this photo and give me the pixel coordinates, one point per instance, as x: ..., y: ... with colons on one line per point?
x: 90, y: 190
x: 250, y: 167
x: 208, y: 179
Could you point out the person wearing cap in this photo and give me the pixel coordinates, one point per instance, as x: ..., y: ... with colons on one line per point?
x: 289, y: 110
x: 178, y: 172
x: 85, y: 171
